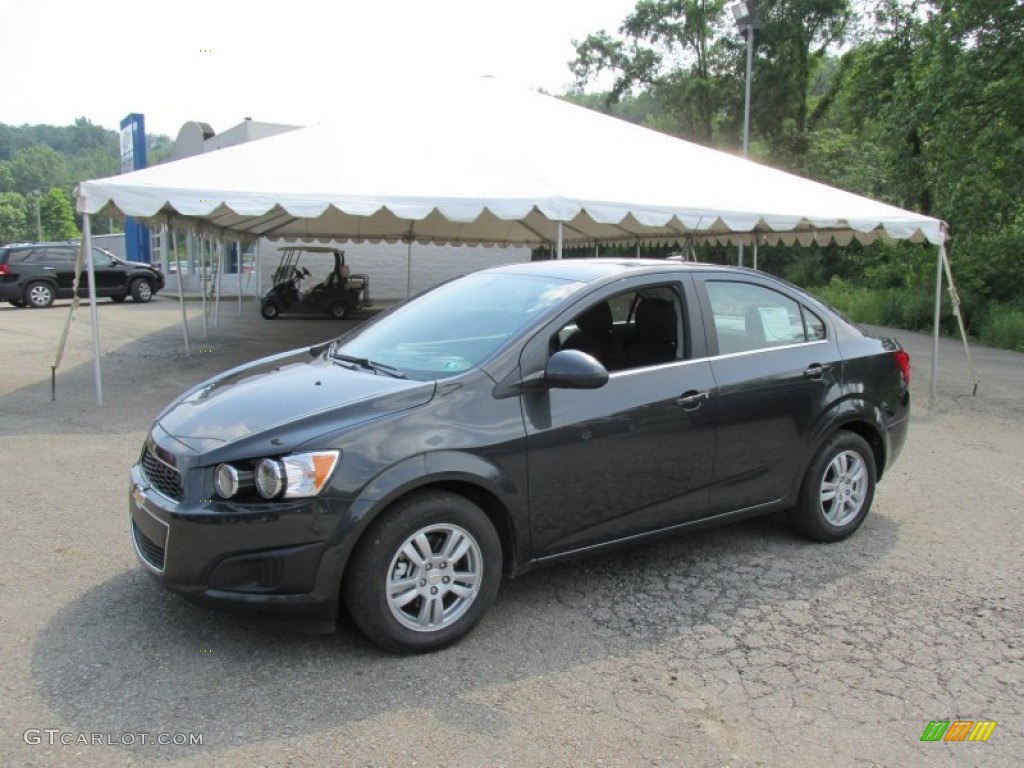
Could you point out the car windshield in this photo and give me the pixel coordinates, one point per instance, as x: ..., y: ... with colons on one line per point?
x: 457, y: 325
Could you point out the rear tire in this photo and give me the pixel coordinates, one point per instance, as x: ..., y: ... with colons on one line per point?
x: 424, y: 573
x: 837, y: 490
x: 39, y: 295
x: 270, y: 310
x: 141, y: 291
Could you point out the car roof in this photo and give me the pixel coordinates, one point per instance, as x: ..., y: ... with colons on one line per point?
x: 590, y: 269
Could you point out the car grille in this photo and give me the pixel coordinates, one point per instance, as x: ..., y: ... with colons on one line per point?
x: 150, y: 551
x: 165, y: 479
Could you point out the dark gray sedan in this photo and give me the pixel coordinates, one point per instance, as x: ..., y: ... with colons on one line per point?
x: 508, y: 419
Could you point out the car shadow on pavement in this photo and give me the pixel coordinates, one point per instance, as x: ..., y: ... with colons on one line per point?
x: 129, y: 657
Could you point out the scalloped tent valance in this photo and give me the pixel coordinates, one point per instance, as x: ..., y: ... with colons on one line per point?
x: 483, y: 164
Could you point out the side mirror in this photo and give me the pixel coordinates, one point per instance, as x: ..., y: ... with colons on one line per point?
x: 572, y: 369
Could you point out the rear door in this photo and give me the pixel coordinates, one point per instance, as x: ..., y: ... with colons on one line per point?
x: 58, y: 261
x: 635, y: 455
x: 777, y: 368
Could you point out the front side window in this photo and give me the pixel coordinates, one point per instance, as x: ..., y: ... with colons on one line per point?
x: 632, y: 329
x: 749, y: 317
x: 101, y: 259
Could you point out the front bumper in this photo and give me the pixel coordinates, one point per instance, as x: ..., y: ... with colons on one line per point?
x: 270, y: 559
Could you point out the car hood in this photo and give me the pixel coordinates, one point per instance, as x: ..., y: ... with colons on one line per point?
x: 277, y: 403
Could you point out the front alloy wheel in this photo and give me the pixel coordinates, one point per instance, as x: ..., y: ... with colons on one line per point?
x: 434, y: 577
x: 424, y: 573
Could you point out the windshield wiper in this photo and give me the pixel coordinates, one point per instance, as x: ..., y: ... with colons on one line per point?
x: 372, y: 365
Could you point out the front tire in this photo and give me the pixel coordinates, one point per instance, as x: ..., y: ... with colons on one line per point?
x: 39, y: 295
x: 141, y: 291
x: 837, y: 490
x: 424, y: 573
x: 269, y: 310
x: 338, y: 311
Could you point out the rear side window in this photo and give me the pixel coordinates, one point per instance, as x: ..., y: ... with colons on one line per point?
x: 15, y: 255
x: 52, y: 256
x: 749, y: 317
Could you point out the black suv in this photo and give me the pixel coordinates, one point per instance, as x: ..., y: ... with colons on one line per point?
x: 34, y: 274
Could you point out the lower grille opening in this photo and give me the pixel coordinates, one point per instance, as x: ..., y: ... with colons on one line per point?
x: 150, y: 551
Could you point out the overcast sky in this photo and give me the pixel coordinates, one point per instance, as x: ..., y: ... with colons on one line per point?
x: 288, y: 61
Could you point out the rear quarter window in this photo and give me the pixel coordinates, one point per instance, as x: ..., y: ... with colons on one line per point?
x: 749, y: 317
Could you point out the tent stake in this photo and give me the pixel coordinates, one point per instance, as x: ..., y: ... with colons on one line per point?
x: 954, y: 299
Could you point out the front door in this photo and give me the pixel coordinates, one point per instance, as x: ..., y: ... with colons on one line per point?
x: 635, y: 455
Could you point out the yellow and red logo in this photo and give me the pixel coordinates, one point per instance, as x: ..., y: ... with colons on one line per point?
x: 958, y: 730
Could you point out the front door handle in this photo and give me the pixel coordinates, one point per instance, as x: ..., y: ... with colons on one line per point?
x: 692, y: 400
x: 816, y: 370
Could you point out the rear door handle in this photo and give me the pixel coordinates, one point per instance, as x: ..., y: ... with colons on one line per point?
x: 692, y: 400
x: 816, y: 370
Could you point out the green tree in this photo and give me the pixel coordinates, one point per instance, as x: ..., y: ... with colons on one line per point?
x: 57, y: 216
x: 688, y: 55
x: 14, y: 226
x: 39, y: 167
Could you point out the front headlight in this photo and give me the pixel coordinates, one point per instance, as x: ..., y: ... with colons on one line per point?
x: 297, y: 476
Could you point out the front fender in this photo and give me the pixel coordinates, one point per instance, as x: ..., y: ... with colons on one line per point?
x: 400, y: 479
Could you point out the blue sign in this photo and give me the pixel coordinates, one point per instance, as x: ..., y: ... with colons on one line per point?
x: 133, y: 158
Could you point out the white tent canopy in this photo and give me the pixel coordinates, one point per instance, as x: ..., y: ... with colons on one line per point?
x: 486, y: 164
x: 483, y: 164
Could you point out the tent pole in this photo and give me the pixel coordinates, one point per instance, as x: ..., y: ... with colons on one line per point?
x: 935, y: 326
x: 221, y: 252
x: 558, y: 251
x: 238, y: 272
x: 638, y: 249
x: 596, y: 251
x: 408, y: 270
x: 202, y: 278
x: 755, y: 253
x: 87, y: 244
x: 181, y: 294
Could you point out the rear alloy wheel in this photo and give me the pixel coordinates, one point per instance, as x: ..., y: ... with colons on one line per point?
x: 424, y: 573
x: 141, y: 291
x: 39, y: 295
x: 338, y: 311
x: 838, y: 489
x: 269, y: 310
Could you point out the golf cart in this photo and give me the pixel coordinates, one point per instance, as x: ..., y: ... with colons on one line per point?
x: 338, y: 295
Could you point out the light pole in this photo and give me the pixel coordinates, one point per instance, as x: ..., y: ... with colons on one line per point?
x: 745, y: 14
x: 39, y: 222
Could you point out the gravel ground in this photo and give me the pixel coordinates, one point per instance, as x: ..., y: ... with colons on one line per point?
x: 742, y: 646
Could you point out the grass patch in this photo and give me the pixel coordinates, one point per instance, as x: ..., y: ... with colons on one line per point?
x: 992, y: 324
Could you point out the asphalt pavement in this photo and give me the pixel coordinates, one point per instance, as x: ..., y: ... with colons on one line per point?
x: 741, y: 646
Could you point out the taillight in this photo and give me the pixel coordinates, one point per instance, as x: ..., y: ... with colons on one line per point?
x: 3, y: 270
x: 903, y: 361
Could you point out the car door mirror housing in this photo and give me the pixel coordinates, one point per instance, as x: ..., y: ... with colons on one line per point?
x: 572, y: 369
